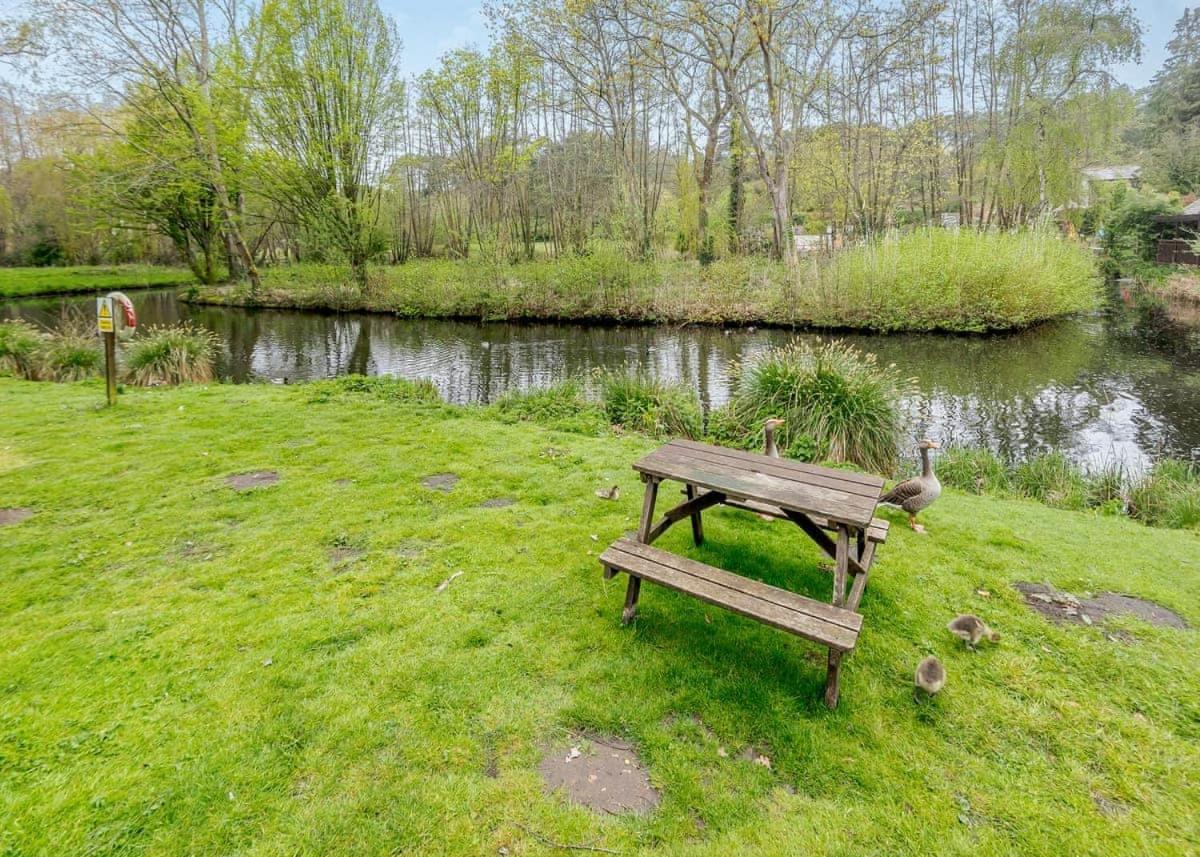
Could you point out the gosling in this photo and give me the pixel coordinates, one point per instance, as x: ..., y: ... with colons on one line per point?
x: 612, y: 493
x: 930, y: 676
x: 971, y: 629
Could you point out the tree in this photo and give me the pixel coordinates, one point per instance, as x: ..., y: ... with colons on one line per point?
x: 168, y: 46
x: 329, y: 99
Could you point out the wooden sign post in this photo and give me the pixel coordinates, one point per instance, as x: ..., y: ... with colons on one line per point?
x: 106, y: 323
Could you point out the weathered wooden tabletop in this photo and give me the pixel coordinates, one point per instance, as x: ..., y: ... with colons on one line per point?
x: 838, y: 495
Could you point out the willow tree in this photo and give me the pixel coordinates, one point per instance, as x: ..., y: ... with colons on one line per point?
x: 329, y: 97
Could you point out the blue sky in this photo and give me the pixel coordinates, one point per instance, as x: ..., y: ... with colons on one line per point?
x: 431, y: 28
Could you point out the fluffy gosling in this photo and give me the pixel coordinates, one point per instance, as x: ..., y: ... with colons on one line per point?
x: 971, y: 629
x: 930, y: 676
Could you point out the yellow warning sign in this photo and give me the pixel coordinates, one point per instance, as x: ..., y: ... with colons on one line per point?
x: 104, y: 315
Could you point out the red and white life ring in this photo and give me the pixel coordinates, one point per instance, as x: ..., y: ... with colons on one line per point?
x: 125, y: 320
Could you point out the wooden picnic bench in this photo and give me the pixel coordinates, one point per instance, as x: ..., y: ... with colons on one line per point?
x: 834, y: 508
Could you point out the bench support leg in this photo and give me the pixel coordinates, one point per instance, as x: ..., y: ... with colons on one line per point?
x: 697, y: 522
x: 631, y: 599
x: 831, y: 679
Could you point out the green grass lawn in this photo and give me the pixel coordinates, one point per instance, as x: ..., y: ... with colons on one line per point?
x: 23, y: 282
x: 185, y: 669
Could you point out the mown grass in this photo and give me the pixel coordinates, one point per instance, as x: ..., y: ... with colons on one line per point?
x: 187, y: 669
x: 25, y: 282
x: 925, y: 280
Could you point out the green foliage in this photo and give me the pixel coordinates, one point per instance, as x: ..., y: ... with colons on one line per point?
x: 1168, y: 496
x: 563, y: 406
x: 383, y: 387
x: 71, y: 353
x: 175, y: 354
x: 974, y: 469
x: 937, y: 279
x: 20, y: 348
x: 1053, y: 479
x: 838, y: 403
x: 1130, y: 234
x: 23, y: 282
x: 656, y: 408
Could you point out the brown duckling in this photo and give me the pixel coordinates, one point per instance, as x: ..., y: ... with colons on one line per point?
x: 971, y: 629
x: 612, y: 493
x: 930, y: 676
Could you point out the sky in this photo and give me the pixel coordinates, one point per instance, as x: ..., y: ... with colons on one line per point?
x: 429, y: 29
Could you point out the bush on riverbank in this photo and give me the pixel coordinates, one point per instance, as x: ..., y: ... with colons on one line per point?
x: 1168, y: 495
x: 651, y: 407
x: 925, y: 280
x: 176, y: 354
x: 838, y: 404
x: 69, y: 353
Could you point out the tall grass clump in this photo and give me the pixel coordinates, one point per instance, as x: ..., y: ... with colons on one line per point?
x: 956, y: 280
x: 563, y: 406
x: 973, y: 469
x: 1167, y: 496
x: 71, y: 352
x: 175, y: 354
x: 20, y: 349
x: 1052, y: 479
x: 839, y: 404
x: 653, y: 407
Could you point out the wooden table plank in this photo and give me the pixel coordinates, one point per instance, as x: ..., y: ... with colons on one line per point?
x: 789, y: 492
x: 863, y: 479
x: 835, y: 615
x: 705, y: 588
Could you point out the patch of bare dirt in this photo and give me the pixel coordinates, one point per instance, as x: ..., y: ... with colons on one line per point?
x: 9, y: 517
x: 250, y: 481
x: 344, y: 555
x: 440, y: 481
x: 497, y: 503
x: 603, y: 774
x: 1065, y: 607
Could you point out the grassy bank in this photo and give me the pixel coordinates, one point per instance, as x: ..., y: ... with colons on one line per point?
x: 930, y: 280
x: 191, y: 669
x: 25, y: 282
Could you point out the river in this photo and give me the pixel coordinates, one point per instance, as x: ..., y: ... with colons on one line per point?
x: 1122, y: 385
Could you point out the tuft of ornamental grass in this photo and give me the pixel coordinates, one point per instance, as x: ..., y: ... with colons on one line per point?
x: 973, y: 469
x: 173, y: 354
x: 656, y: 408
x: 563, y: 406
x: 1053, y: 479
x: 1168, y: 495
x: 71, y: 352
x: 838, y: 404
x: 20, y: 348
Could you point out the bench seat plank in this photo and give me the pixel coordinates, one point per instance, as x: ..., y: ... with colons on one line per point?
x: 814, y: 620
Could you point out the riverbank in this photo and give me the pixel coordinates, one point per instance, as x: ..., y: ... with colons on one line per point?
x: 342, y: 659
x: 35, y: 282
x: 924, y: 281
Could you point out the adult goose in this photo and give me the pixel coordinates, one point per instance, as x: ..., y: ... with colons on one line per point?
x: 913, y: 495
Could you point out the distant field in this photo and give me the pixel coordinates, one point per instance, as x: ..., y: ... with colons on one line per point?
x: 21, y: 282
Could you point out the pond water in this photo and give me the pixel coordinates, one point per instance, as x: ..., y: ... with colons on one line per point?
x: 1120, y: 385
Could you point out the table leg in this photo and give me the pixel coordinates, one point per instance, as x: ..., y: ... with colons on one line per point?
x: 648, y: 509
x: 831, y: 679
x: 697, y: 522
x: 842, y: 566
x: 635, y: 583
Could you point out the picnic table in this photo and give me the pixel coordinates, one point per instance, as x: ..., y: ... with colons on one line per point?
x: 834, y: 508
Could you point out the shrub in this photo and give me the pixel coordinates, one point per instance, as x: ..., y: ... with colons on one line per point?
x: 979, y: 471
x: 1167, y: 496
x: 654, y: 407
x: 20, y: 346
x: 838, y: 404
x: 1052, y: 479
x: 961, y: 280
x: 175, y: 354
x: 563, y: 406
x: 383, y: 387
